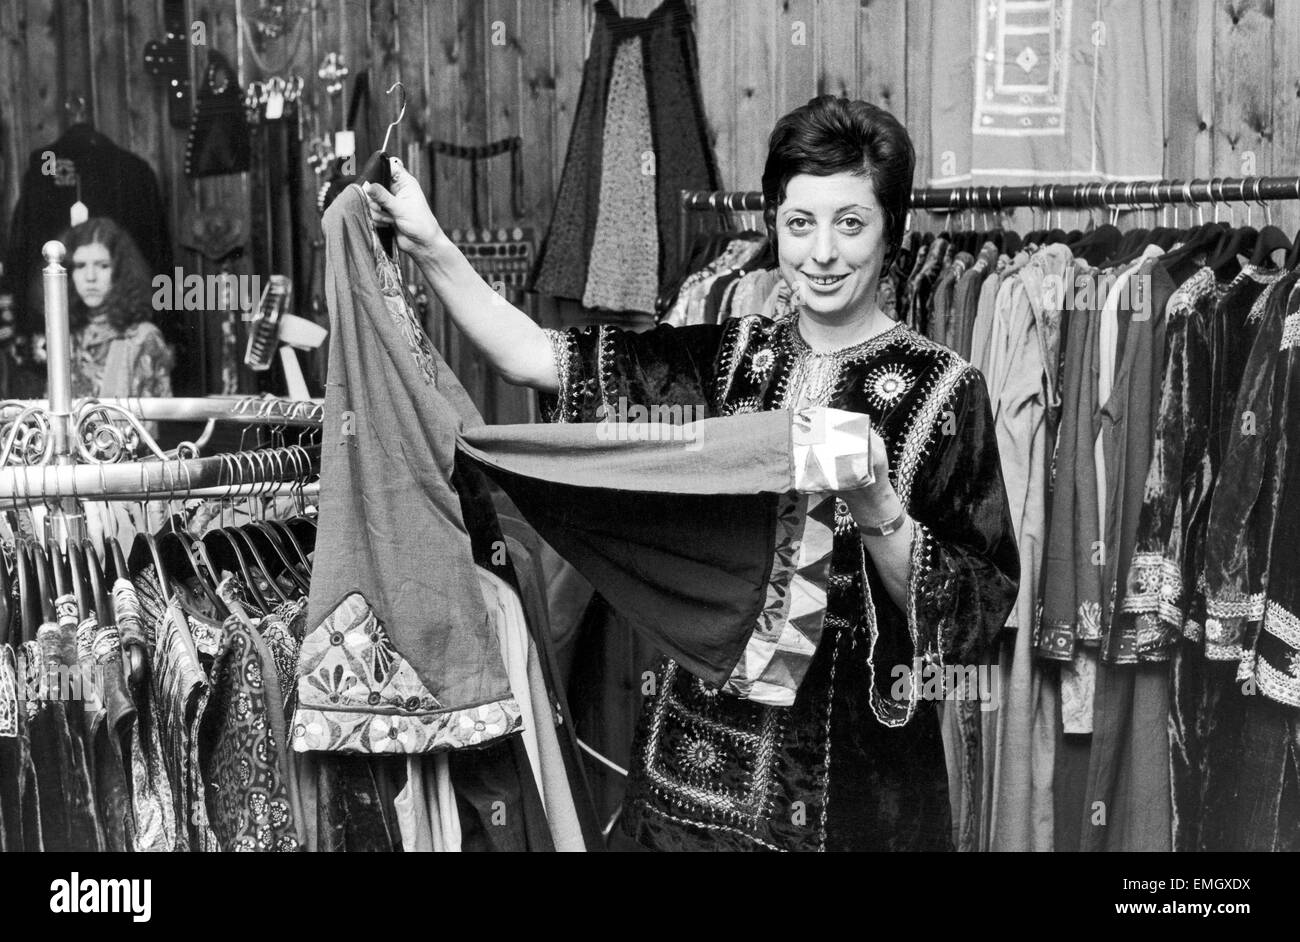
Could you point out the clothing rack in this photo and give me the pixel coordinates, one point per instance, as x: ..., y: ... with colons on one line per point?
x: 1044, y: 195
x: 61, y: 454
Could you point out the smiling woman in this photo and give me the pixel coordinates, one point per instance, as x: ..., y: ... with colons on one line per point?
x: 918, y: 566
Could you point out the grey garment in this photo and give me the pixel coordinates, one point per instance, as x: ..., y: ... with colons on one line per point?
x: 557, y: 795
x: 391, y: 527
x: 1128, y: 768
x: 1020, y: 814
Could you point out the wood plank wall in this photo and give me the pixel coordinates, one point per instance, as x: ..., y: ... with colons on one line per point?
x: 479, y: 70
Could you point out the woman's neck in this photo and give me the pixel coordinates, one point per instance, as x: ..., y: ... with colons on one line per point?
x: 826, y: 336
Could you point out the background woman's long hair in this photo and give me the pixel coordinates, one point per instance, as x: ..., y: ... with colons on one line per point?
x: 130, y: 295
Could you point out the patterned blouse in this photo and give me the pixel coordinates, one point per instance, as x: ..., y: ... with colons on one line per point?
x: 107, y: 362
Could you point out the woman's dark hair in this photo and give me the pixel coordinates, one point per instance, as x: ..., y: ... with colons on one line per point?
x: 129, y: 296
x: 831, y: 135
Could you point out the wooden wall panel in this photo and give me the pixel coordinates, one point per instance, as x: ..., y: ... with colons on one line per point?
x: 13, y: 111
x: 883, y: 77
x: 1243, y: 88
x: 44, y: 72
x: 1286, y: 110
x: 797, y: 49
x: 755, y: 100
x: 837, y: 39
x: 914, y: 111
x: 1232, y: 81
x: 716, y: 40
x: 108, y: 51
x: 72, y: 35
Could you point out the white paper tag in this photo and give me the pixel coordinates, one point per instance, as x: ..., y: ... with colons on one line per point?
x: 78, y: 213
x: 345, y: 143
x: 275, y: 103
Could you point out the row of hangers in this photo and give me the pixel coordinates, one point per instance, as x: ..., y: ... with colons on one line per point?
x: 1222, y: 243
x: 257, y: 552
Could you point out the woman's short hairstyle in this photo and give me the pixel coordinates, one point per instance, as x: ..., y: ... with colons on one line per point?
x: 130, y: 295
x: 831, y: 135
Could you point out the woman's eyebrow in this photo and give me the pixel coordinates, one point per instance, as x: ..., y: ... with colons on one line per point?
x: 799, y: 209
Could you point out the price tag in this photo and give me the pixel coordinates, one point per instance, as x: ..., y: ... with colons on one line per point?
x: 78, y: 213
x: 274, y: 99
x: 345, y: 143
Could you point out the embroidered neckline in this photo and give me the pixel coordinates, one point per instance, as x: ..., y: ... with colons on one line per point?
x: 863, y: 348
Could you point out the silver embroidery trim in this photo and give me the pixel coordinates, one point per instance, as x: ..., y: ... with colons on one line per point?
x: 1283, y: 625
x: 919, y: 435
x: 1291, y: 331
x: 744, y: 330
x: 1277, y: 685
x: 559, y: 341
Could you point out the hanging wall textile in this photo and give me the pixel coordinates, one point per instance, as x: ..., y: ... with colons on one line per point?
x: 682, y: 157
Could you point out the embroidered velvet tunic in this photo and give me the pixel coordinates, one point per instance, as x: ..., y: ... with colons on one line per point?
x: 856, y: 763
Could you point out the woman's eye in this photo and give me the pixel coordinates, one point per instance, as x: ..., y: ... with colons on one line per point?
x: 797, y: 224
x: 852, y: 222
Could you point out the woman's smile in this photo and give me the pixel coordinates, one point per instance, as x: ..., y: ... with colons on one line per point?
x: 825, y: 283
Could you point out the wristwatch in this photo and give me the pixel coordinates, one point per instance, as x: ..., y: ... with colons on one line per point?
x: 887, y: 527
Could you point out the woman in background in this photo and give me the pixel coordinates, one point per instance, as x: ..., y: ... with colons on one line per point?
x: 116, y: 349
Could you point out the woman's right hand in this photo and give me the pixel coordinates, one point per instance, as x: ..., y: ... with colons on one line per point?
x: 406, y: 210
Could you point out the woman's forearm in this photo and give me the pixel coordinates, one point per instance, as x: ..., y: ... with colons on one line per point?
x: 892, y: 555
x: 514, y: 345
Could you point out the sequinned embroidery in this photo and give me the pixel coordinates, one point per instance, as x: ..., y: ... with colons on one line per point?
x: 885, y: 384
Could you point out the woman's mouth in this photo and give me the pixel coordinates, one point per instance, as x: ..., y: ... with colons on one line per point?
x: 824, y: 281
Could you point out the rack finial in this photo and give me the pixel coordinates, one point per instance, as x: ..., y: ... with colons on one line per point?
x: 53, y: 252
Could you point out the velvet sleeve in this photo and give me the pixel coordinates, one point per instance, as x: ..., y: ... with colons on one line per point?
x: 965, y: 565
x: 601, y: 365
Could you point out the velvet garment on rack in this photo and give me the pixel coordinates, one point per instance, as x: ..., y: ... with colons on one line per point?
x: 715, y: 771
x: 399, y: 654
x: 1242, y: 517
x: 1159, y: 590
x: 1233, y: 329
x: 682, y: 153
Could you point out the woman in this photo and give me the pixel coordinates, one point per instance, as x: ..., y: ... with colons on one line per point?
x: 116, y: 350
x: 923, y: 566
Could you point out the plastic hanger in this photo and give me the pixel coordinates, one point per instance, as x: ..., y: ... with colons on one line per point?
x: 46, y: 584
x: 1271, y: 239
x: 228, y: 554
x: 58, y: 569
x: 1239, y: 241
x: 272, y: 539
x: 95, y: 575
x: 27, y: 590
x: 6, y: 595
x: 377, y: 169
x: 291, y: 539
x: 77, y: 569
x: 259, y: 562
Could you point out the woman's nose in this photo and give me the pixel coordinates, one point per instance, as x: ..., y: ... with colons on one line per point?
x: 823, y: 249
